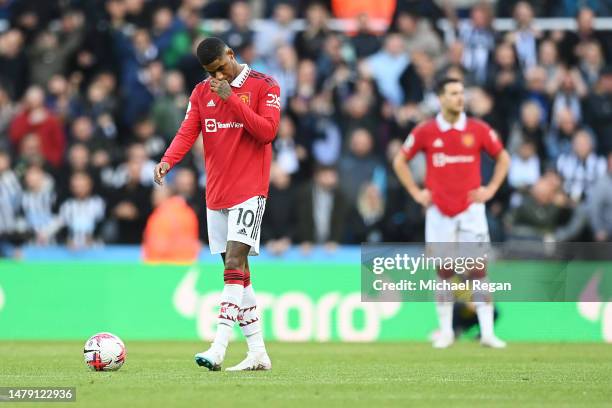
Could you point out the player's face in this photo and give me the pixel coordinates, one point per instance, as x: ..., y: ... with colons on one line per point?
x: 223, y: 68
x: 452, y: 98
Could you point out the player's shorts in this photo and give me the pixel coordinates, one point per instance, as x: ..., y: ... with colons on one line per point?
x: 467, y: 226
x: 241, y: 223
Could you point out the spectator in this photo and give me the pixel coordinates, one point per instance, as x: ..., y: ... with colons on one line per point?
x: 600, y: 206
x: 571, y: 43
x: 38, y: 203
x: 418, y: 34
x: 526, y: 37
x: 598, y: 110
x: 386, y: 67
x: 549, y: 60
x: 308, y: 43
x: 144, y: 132
x: 505, y: 82
x: 558, y: 140
x: 239, y: 33
x: 279, y: 218
x: 171, y: 232
x: 581, y: 168
x: 185, y: 185
x: 50, y: 53
x: 525, y: 167
x: 540, y: 211
x: 359, y: 166
x: 276, y: 33
x: 478, y: 39
x: 10, y: 198
x: 81, y: 215
x: 14, y: 67
x: 130, y: 206
x: 169, y: 108
x: 8, y: 109
x: 529, y: 129
x: 364, y: 41
x: 35, y: 118
x: 366, y: 220
x: 321, y: 208
x: 591, y: 63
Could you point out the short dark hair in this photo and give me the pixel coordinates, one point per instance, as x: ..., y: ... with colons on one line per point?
x: 210, y: 49
x: 441, y: 86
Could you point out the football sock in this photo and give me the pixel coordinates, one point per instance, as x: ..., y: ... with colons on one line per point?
x: 248, y: 318
x: 445, y: 317
x: 231, y: 299
x: 444, y: 307
x: 484, y: 311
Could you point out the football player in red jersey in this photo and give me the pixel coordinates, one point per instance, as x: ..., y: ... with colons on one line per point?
x: 453, y: 194
x: 237, y: 111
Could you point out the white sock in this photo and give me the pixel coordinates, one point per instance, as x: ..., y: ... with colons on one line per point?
x: 231, y: 299
x: 484, y: 311
x: 249, y: 321
x: 445, y: 318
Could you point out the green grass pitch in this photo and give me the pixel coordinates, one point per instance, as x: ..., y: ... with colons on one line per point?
x: 163, y: 374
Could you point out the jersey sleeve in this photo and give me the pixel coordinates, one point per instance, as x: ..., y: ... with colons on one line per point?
x: 261, y: 123
x: 490, y: 141
x: 187, y: 133
x: 414, y: 143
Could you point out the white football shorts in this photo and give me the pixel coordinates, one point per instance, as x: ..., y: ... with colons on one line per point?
x: 241, y: 223
x: 467, y: 226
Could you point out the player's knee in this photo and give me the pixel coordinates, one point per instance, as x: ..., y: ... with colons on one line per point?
x: 234, y: 262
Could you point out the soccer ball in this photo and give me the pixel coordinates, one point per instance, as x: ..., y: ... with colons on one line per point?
x: 104, y: 352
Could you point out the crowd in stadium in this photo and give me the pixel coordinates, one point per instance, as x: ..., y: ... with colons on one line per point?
x: 92, y: 93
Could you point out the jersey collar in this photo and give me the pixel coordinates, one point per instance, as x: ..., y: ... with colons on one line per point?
x: 242, y: 76
x: 444, y: 126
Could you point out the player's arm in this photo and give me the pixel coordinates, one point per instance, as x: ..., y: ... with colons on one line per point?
x: 400, y: 165
x: 494, y: 148
x: 261, y: 124
x: 182, y: 142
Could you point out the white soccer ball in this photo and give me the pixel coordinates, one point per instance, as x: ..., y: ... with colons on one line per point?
x: 104, y: 352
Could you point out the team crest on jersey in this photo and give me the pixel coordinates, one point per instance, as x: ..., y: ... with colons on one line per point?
x: 467, y: 140
x: 245, y: 97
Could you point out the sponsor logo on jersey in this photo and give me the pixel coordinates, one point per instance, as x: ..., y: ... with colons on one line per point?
x: 211, y: 104
x: 467, y: 140
x: 212, y: 125
x: 245, y: 97
x: 242, y: 231
x: 442, y: 159
x: 273, y: 101
x: 438, y: 143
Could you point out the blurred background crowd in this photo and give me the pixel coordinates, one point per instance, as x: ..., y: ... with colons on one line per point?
x: 92, y: 92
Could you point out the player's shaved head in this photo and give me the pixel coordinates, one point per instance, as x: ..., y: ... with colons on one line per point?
x: 210, y: 49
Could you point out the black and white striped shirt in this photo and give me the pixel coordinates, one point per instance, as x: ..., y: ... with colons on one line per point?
x: 10, y: 196
x: 580, y: 175
x: 80, y: 216
x: 37, y: 208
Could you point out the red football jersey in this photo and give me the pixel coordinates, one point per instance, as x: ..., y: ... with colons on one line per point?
x: 453, y: 158
x: 237, y: 135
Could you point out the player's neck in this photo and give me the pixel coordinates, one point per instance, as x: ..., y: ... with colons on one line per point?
x: 451, y: 117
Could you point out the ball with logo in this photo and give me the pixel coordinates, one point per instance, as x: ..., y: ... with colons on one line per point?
x: 104, y: 352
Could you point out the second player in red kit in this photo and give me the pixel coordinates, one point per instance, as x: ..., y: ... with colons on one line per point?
x: 237, y: 112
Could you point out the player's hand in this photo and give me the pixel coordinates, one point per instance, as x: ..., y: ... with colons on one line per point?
x: 481, y: 195
x: 423, y: 197
x: 221, y: 88
x: 160, y: 172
